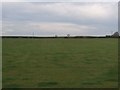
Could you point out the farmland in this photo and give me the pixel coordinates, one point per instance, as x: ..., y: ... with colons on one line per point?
x: 60, y: 63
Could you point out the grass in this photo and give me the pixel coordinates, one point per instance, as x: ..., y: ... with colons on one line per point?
x: 60, y: 63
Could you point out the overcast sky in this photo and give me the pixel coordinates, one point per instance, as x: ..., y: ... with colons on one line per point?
x: 49, y: 19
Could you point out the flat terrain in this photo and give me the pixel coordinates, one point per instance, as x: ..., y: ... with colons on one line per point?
x: 56, y: 63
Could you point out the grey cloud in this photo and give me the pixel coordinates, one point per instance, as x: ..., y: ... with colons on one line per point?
x: 19, y: 14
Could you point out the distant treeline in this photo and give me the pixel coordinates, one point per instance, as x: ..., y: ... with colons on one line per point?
x: 61, y: 37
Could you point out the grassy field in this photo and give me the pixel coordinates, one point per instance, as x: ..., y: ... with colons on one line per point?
x: 60, y: 63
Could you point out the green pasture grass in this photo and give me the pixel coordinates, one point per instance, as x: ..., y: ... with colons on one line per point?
x: 60, y: 63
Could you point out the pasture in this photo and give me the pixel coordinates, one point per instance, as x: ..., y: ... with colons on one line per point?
x: 60, y: 63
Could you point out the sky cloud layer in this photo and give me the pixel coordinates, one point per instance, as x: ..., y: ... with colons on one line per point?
x: 60, y: 0
x: 59, y: 18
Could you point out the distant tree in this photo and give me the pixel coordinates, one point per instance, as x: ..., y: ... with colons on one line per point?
x: 56, y: 36
x: 68, y: 35
x: 108, y: 36
x: 116, y: 34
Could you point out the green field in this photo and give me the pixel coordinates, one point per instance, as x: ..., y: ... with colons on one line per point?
x: 60, y: 63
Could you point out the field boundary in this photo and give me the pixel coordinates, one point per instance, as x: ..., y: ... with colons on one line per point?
x: 59, y: 37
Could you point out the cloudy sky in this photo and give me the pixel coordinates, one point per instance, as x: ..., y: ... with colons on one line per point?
x: 59, y: 18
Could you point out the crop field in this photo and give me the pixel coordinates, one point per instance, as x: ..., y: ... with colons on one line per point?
x: 60, y: 63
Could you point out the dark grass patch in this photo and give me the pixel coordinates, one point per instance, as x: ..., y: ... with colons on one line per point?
x: 11, y: 86
x: 92, y: 82
x: 47, y: 84
x: 111, y: 75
